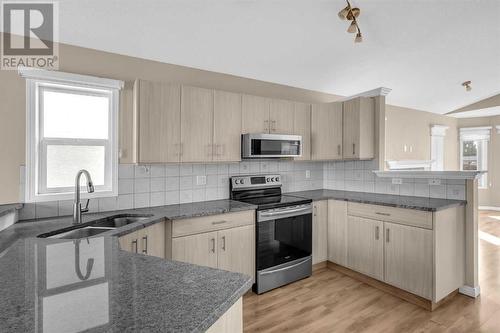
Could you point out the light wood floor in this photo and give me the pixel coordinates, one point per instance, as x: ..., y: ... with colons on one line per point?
x: 332, y: 302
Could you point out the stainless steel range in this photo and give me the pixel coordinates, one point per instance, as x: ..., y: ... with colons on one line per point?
x: 284, y: 230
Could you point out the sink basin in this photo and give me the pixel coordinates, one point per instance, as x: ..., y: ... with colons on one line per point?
x: 80, y: 233
x: 118, y: 221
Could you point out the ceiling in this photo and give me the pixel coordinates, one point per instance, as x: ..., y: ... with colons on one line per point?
x: 421, y: 49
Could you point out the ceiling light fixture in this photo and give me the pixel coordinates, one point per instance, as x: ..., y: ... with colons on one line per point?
x: 350, y: 13
x: 467, y: 85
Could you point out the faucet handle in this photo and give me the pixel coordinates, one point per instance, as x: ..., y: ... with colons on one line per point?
x: 86, y: 209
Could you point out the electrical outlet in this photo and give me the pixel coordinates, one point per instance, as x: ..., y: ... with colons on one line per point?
x: 397, y: 181
x: 434, y: 181
x: 308, y: 174
x: 201, y: 180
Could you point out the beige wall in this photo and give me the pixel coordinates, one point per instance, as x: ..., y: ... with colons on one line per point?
x: 491, y: 195
x: 413, y: 128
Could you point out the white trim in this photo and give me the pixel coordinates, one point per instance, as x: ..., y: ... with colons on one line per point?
x: 429, y: 174
x: 68, y: 78
x: 475, y: 133
x: 498, y: 129
x: 382, y: 91
x: 409, y: 164
x: 470, y: 291
x: 438, y: 130
x: 497, y: 209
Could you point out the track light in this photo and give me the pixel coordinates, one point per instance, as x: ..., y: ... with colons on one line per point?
x: 343, y: 13
x: 467, y: 85
x: 353, y: 27
x: 349, y: 13
x: 359, y: 37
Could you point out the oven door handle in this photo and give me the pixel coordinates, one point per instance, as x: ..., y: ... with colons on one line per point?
x: 285, y: 268
x: 285, y: 212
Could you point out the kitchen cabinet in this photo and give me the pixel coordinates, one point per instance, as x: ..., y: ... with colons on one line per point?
x: 159, y: 116
x: 233, y: 244
x: 408, y: 258
x: 149, y: 240
x: 255, y: 114
x: 326, y: 131
x: 365, y: 246
x: 197, y: 110
x: 227, y: 127
x: 198, y: 249
x: 337, y: 232
x: 231, y: 321
x: 281, y: 114
x: 302, y: 126
x: 359, y: 128
x: 319, y: 231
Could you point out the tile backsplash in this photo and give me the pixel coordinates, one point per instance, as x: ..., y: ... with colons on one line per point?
x: 155, y: 185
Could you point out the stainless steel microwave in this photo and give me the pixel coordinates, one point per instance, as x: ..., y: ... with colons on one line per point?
x: 270, y: 146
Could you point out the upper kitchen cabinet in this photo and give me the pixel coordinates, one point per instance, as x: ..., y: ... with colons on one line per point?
x: 359, y: 128
x: 255, y: 114
x: 158, y: 115
x: 281, y: 117
x: 227, y: 127
x: 197, y: 111
x: 326, y: 131
x: 302, y: 126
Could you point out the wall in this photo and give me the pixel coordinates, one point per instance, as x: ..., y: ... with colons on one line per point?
x: 491, y: 195
x: 413, y: 128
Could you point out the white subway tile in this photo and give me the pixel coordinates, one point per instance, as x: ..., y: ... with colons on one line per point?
x: 158, y: 170
x: 142, y: 171
x: 456, y: 192
x: 437, y: 191
x: 211, y: 169
x: 186, y: 169
x: 158, y: 184
x: 126, y: 171
x: 234, y: 169
x: 157, y: 199
x: 142, y: 185
x: 141, y: 200
x: 245, y: 168
x: 369, y: 187
x: 108, y: 204
x: 186, y: 182
x: 186, y: 196
x: 212, y: 180
x: 199, y: 195
x: 126, y: 201
x: 65, y: 207
x: 172, y: 197
x: 46, y: 209
x: 407, y: 189
x: 125, y: 186
x: 222, y: 169
x: 421, y: 190
x: 172, y: 183
x: 199, y: 169
x: 211, y: 193
x: 254, y: 167
x: 172, y: 170
x: 393, y: 189
x: 27, y: 212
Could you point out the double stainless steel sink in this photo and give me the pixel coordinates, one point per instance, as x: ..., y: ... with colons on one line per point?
x: 94, y: 228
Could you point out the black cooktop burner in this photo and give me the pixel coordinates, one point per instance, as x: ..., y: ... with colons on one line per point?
x: 268, y: 202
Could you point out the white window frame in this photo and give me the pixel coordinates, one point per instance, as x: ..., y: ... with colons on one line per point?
x: 38, y: 80
x: 477, y: 134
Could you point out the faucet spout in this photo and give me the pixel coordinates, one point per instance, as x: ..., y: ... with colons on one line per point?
x: 77, y: 206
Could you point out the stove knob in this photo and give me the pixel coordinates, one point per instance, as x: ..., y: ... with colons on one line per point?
x: 277, y: 179
x: 268, y: 180
x: 272, y: 179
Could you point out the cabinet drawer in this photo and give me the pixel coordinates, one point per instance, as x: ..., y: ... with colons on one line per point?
x: 211, y: 223
x: 404, y: 216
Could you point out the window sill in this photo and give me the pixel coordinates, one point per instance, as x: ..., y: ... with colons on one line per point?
x: 70, y: 196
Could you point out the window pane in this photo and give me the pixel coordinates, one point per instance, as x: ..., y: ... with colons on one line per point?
x: 70, y: 115
x: 63, y: 162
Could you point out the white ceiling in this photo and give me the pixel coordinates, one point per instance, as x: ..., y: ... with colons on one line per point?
x: 421, y: 49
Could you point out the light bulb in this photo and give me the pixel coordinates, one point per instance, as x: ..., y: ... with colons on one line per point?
x: 343, y: 13
x: 358, y: 38
x: 352, y: 27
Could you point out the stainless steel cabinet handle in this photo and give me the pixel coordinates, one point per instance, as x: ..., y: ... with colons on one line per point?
x: 315, y: 210
x: 213, y: 245
x: 338, y: 150
x: 145, y: 239
x: 377, y: 232
x: 134, y: 246
x: 218, y: 222
x: 387, y: 235
x: 354, y: 149
x: 223, y: 243
x: 383, y: 214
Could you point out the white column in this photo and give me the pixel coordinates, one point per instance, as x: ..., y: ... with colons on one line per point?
x: 438, y: 132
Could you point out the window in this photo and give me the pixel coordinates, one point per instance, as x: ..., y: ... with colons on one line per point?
x: 71, y: 125
x: 474, y: 151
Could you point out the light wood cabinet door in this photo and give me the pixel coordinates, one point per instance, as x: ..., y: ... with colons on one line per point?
x: 302, y: 126
x: 158, y: 112
x: 198, y: 249
x: 237, y: 250
x: 231, y: 321
x: 129, y: 242
x: 326, y: 131
x: 408, y: 258
x: 152, y: 240
x: 255, y: 114
x: 365, y: 246
x: 281, y: 117
x: 227, y: 126
x: 359, y: 128
x: 197, y: 110
x: 319, y: 231
x: 337, y: 232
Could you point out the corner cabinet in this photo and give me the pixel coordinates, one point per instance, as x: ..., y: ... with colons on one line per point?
x: 326, y: 131
x: 359, y: 128
x: 319, y: 231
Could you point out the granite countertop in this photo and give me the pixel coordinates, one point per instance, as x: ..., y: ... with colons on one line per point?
x: 5, y: 209
x: 408, y: 202
x: 142, y: 292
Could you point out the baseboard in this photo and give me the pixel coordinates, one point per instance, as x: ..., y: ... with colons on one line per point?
x: 470, y: 291
x: 319, y: 265
x: 489, y: 208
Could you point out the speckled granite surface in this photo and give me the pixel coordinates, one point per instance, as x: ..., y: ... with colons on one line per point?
x: 4, y: 209
x: 419, y: 203
x: 43, y: 287
x: 92, y: 286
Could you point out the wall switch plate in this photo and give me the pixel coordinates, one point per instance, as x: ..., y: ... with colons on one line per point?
x: 434, y: 181
x: 397, y: 181
x: 201, y: 180
x: 308, y: 174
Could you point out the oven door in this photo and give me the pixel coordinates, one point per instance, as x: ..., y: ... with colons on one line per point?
x: 270, y: 145
x: 284, y: 235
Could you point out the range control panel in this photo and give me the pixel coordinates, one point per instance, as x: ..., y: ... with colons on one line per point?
x: 257, y: 181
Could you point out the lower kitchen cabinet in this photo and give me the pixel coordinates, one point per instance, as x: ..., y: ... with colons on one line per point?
x: 408, y: 258
x: 236, y: 246
x: 200, y: 249
x: 231, y: 321
x: 337, y: 232
x: 319, y: 231
x: 365, y: 246
x: 149, y: 240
